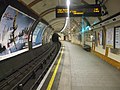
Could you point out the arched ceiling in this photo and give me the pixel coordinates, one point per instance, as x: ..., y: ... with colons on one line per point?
x: 46, y: 10
x: 57, y: 24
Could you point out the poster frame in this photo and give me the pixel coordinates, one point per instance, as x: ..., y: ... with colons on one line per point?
x: 115, y: 37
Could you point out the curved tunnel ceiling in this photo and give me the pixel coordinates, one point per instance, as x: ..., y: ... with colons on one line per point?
x: 46, y: 10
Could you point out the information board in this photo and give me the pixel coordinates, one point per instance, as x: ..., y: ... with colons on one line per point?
x: 77, y: 11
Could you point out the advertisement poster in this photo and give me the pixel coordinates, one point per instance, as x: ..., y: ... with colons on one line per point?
x: 37, y: 34
x: 14, y: 29
x: 93, y: 36
x: 100, y: 38
x: 47, y: 35
x: 117, y: 37
x: 110, y: 37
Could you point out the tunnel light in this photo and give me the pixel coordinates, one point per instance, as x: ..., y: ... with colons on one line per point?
x: 91, y: 36
x: 67, y: 22
x: 69, y: 32
x: 90, y: 28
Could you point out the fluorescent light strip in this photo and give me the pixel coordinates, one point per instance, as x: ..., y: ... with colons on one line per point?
x: 67, y: 18
x: 68, y: 7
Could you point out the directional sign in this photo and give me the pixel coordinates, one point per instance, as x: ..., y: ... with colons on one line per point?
x: 78, y: 11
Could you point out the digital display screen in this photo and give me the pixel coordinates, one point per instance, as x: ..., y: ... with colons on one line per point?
x: 77, y: 11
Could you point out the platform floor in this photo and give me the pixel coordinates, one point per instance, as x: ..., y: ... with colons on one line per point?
x: 81, y: 70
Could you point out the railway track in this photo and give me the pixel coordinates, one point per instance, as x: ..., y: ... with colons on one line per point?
x: 28, y: 75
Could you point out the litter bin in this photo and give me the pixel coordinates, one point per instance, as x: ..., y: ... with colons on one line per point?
x: 87, y: 47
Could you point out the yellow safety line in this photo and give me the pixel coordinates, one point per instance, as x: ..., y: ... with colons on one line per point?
x: 55, y: 72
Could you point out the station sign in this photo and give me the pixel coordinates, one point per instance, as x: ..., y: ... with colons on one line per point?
x: 78, y: 11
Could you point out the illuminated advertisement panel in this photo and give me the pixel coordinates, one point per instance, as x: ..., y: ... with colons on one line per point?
x: 37, y: 34
x: 14, y: 29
